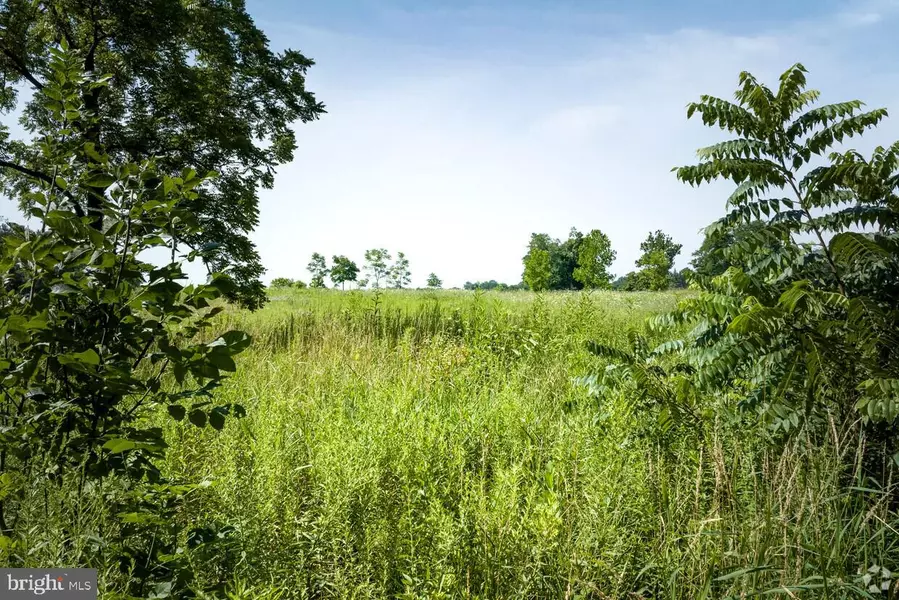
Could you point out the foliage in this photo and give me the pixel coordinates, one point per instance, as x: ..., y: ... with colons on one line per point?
x: 563, y: 258
x: 399, y: 275
x: 802, y: 325
x: 537, y: 270
x: 343, y: 270
x: 709, y: 260
x: 318, y: 267
x: 493, y: 285
x: 96, y: 340
x: 286, y: 282
x: 594, y: 257
x: 376, y: 267
x: 434, y: 281
x: 655, y: 263
x: 189, y: 83
x: 443, y: 446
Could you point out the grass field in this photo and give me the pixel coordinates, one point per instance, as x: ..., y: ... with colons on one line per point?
x: 434, y: 445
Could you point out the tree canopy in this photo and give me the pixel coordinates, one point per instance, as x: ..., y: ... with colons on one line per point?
x: 376, y: 267
x: 343, y: 270
x: 203, y: 89
x: 594, y: 257
x: 399, y: 275
x: 802, y: 322
x: 318, y: 267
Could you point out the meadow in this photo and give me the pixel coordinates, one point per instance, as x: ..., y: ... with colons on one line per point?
x: 437, y: 445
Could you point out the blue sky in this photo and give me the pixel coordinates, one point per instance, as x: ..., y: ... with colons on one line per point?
x: 456, y: 129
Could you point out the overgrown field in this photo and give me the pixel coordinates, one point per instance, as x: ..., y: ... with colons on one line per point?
x: 435, y: 445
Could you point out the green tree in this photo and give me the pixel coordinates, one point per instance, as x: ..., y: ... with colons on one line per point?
x: 376, y: 267
x: 802, y: 325
x: 99, y: 344
x: 595, y: 256
x: 280, y: 282
x: 716, y: 254
x: 189, y: 83
x: 656, y: 263
x: 434, y: 281
x: 537, y: 273
x: 343, y: 270
x: 318, y: 267
x: 399, y: 275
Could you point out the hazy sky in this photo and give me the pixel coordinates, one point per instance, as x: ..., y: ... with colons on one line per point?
x: 457, y: 128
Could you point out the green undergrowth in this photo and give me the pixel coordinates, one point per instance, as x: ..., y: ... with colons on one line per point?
x: 437, y: 445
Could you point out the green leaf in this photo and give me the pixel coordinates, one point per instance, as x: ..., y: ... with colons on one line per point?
x: 118, y: 446
x: 100, y: 180
x: 222, y: 361
x: 88, y: 357
x: 217, y: 419
x: 176, y: 411
x: 197, y: 417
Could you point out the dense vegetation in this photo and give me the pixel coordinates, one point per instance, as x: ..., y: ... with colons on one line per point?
x: 730, y: 441
x: 190, y: 84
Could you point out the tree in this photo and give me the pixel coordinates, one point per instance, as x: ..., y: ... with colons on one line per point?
x: 563, y: 258
x: 376, y: 267
x: 362, y: 283
x: 190, y: 83
x: 281, y: 282
x: 537, y: 274
x: 659, y: 251
x: 595, y: 256
x: 715, y: 256
x: 399, y: 275
x: 319, y: 269
x: 343, y: 270
x: 802, y: 324
x: 434, y: 281
x: 99, y: 345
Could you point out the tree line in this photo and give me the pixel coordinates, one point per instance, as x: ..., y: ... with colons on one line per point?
x: 379, y: 270
x: 579, y: 262
x: 583, y: 262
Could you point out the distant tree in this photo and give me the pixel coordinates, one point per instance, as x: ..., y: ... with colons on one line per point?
x: 299, y: 284
x: 362, y: 283
x: 376, y: 267
x: 279, y: 282
x: 563, y: 258
x: 595, y: 256
x: 434, y: 281
x: 537, y: 273
x: 493, y: 285
x: 659, y: 251
x: 343, y: 270
x: 621, y: 283
x: 399, y: 275
x: 565, y: 261
x: 319, y: 269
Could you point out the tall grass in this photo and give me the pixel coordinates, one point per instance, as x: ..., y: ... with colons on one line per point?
x: 434, y: 445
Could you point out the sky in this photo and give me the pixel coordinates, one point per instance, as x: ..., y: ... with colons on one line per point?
x: 455, y: 129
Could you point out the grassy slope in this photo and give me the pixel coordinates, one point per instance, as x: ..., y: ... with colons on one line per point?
x: 433, y: 444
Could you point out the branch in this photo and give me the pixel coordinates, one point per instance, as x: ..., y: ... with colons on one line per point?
x: 46, y: 178
x: 23, y: 69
